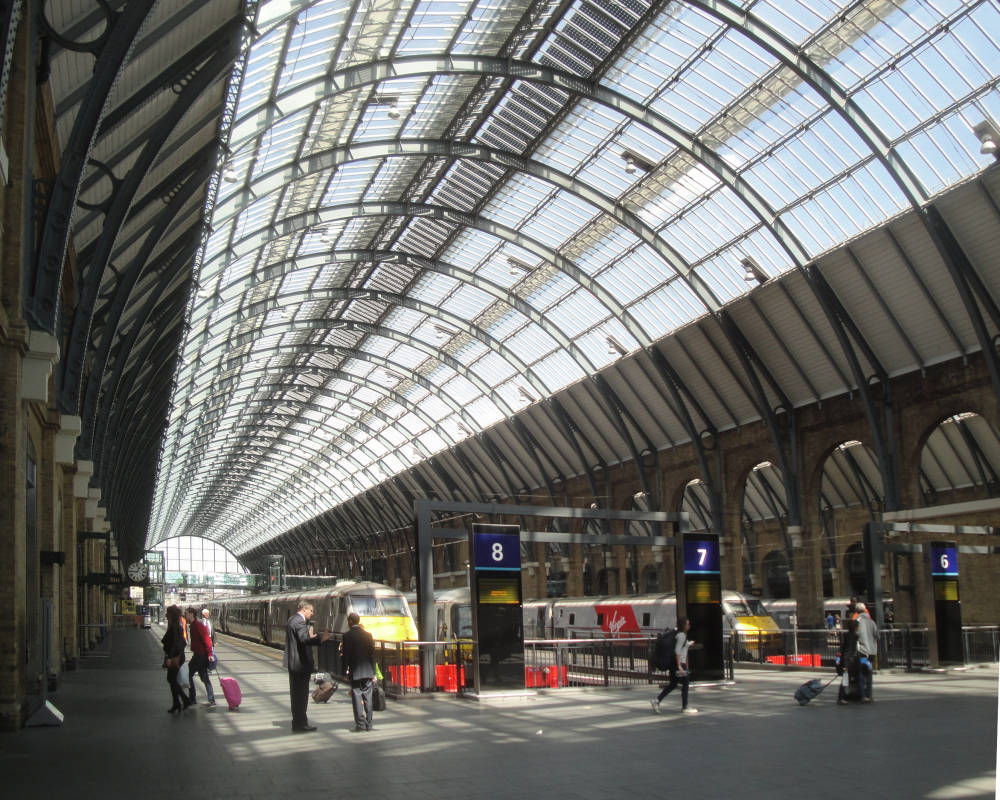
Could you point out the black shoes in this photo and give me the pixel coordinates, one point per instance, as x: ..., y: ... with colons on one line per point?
x: 303, y: 728
x: 174, y: 710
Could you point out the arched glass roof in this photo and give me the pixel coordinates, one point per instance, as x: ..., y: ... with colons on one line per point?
x: 432, y: 215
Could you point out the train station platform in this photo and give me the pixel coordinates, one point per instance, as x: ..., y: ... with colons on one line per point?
x: 928, y: 736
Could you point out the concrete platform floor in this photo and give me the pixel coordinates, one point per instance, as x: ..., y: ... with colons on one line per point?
x: 930, y: 736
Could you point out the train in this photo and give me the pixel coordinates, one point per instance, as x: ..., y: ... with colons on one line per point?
x: 782, y: 610
x: 384, y: 612
x: 627, y: 616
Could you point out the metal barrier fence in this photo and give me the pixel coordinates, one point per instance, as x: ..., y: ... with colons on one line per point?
x: 557, y: 663
x: 95, y: 641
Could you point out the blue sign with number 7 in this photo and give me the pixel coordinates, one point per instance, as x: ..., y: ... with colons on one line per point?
x: 701, y: 555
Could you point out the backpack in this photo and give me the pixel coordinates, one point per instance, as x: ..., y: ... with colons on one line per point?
x: 661, y: 652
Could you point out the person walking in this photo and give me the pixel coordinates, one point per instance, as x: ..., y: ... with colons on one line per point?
x: 173, y: 658
x: 298, y: 660
x: 867, y: 650
x: 678, y: 670
x: 202, y: 656
x: 358, y: 649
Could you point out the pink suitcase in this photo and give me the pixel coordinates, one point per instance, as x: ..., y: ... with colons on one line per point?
x: 231, y: 689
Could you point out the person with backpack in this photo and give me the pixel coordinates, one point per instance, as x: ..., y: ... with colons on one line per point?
x: 676, y: 662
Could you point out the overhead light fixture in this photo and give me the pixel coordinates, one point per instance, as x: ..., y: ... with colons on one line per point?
x: 526, y: 396
x: 229, y: 175
x: 752, y: 271
x: 635, y: 162
x: 393, y: 112
x: 989, y: 138
x: 615, y: 348
x: 517, y: 267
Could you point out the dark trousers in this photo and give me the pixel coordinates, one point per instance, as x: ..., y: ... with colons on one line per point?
x: 298, y: 691
x: 199, y: 667
x: 685, y: 683
x: 361, y: 698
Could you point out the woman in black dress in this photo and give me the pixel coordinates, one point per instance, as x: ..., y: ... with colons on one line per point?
x: 173, y: 650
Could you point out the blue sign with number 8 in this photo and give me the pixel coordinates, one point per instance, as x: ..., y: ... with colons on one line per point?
x: 497, y: 549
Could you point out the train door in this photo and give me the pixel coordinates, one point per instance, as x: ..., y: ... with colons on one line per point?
x: 262, y: 620
x: 540, y: 622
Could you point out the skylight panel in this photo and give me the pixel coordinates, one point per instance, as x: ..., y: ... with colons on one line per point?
x: 461, y: 390
x: 434, y: 24
x: 531, y: 342
x: 309, y: 49
x: 493, y: 368
x: 576, y: 312
x: 517, y: 200
x: 796, y: 20
x: 349, y: 182
x: 559, y: 219
x: 485, y: 411
x: 667, y: 309
x: 638, y: 272
x: 259, y: 75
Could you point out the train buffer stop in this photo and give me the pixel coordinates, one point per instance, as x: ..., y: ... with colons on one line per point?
x: 927, y: 735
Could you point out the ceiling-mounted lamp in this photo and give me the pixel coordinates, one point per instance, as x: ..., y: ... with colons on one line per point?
x: 989, y: 138
x: 517, y: 267
x: 635, y: 162
x: 229, y: 174
x: 752, y: 271
x: 615, y: 348
x: 393, y: 112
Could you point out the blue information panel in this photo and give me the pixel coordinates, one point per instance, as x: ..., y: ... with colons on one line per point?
x: 944, y: 560
x: 496, y: 547
x: 701, y: 555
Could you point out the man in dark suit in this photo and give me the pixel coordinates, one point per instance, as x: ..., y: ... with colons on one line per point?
x: 298, y: 661
x: 358, y: 649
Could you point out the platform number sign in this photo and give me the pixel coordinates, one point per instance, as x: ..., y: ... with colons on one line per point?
x: 496, y: 548
x: 944, y: 560
x: 701, y: 555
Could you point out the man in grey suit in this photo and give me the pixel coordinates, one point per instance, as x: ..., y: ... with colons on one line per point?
x: 298, y: 661
x: 358, y: 649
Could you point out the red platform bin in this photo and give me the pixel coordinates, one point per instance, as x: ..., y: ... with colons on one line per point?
x: 448, y: 677
x: 533, y: 677
x: 407, y: 675
x: 555, y: 677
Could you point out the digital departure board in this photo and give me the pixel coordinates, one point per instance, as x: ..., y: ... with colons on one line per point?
x: 947, y: 602
x: 497, y: 624
x: 703, y: 593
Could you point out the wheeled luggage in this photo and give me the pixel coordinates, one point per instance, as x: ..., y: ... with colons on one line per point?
x: 378, y: 697
x: 323, y: 692
x: 810, y: 689
x: 231, y: 689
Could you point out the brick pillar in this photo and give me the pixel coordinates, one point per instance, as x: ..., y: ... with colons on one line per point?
x: 69, y: 647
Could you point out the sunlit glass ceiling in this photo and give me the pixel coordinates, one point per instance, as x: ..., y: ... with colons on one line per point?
x: 433, y: 214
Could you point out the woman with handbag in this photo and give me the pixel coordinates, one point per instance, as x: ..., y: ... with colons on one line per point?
x: 173, y: 650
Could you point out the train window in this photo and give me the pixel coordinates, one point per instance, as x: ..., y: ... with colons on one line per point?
x: 393, y: 606
x: 572, y: 619
x: 600, y: 619
x: 364, y: 606
x: 645, y: 620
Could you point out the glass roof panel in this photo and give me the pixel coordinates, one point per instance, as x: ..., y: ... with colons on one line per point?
x: 265, y: 325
